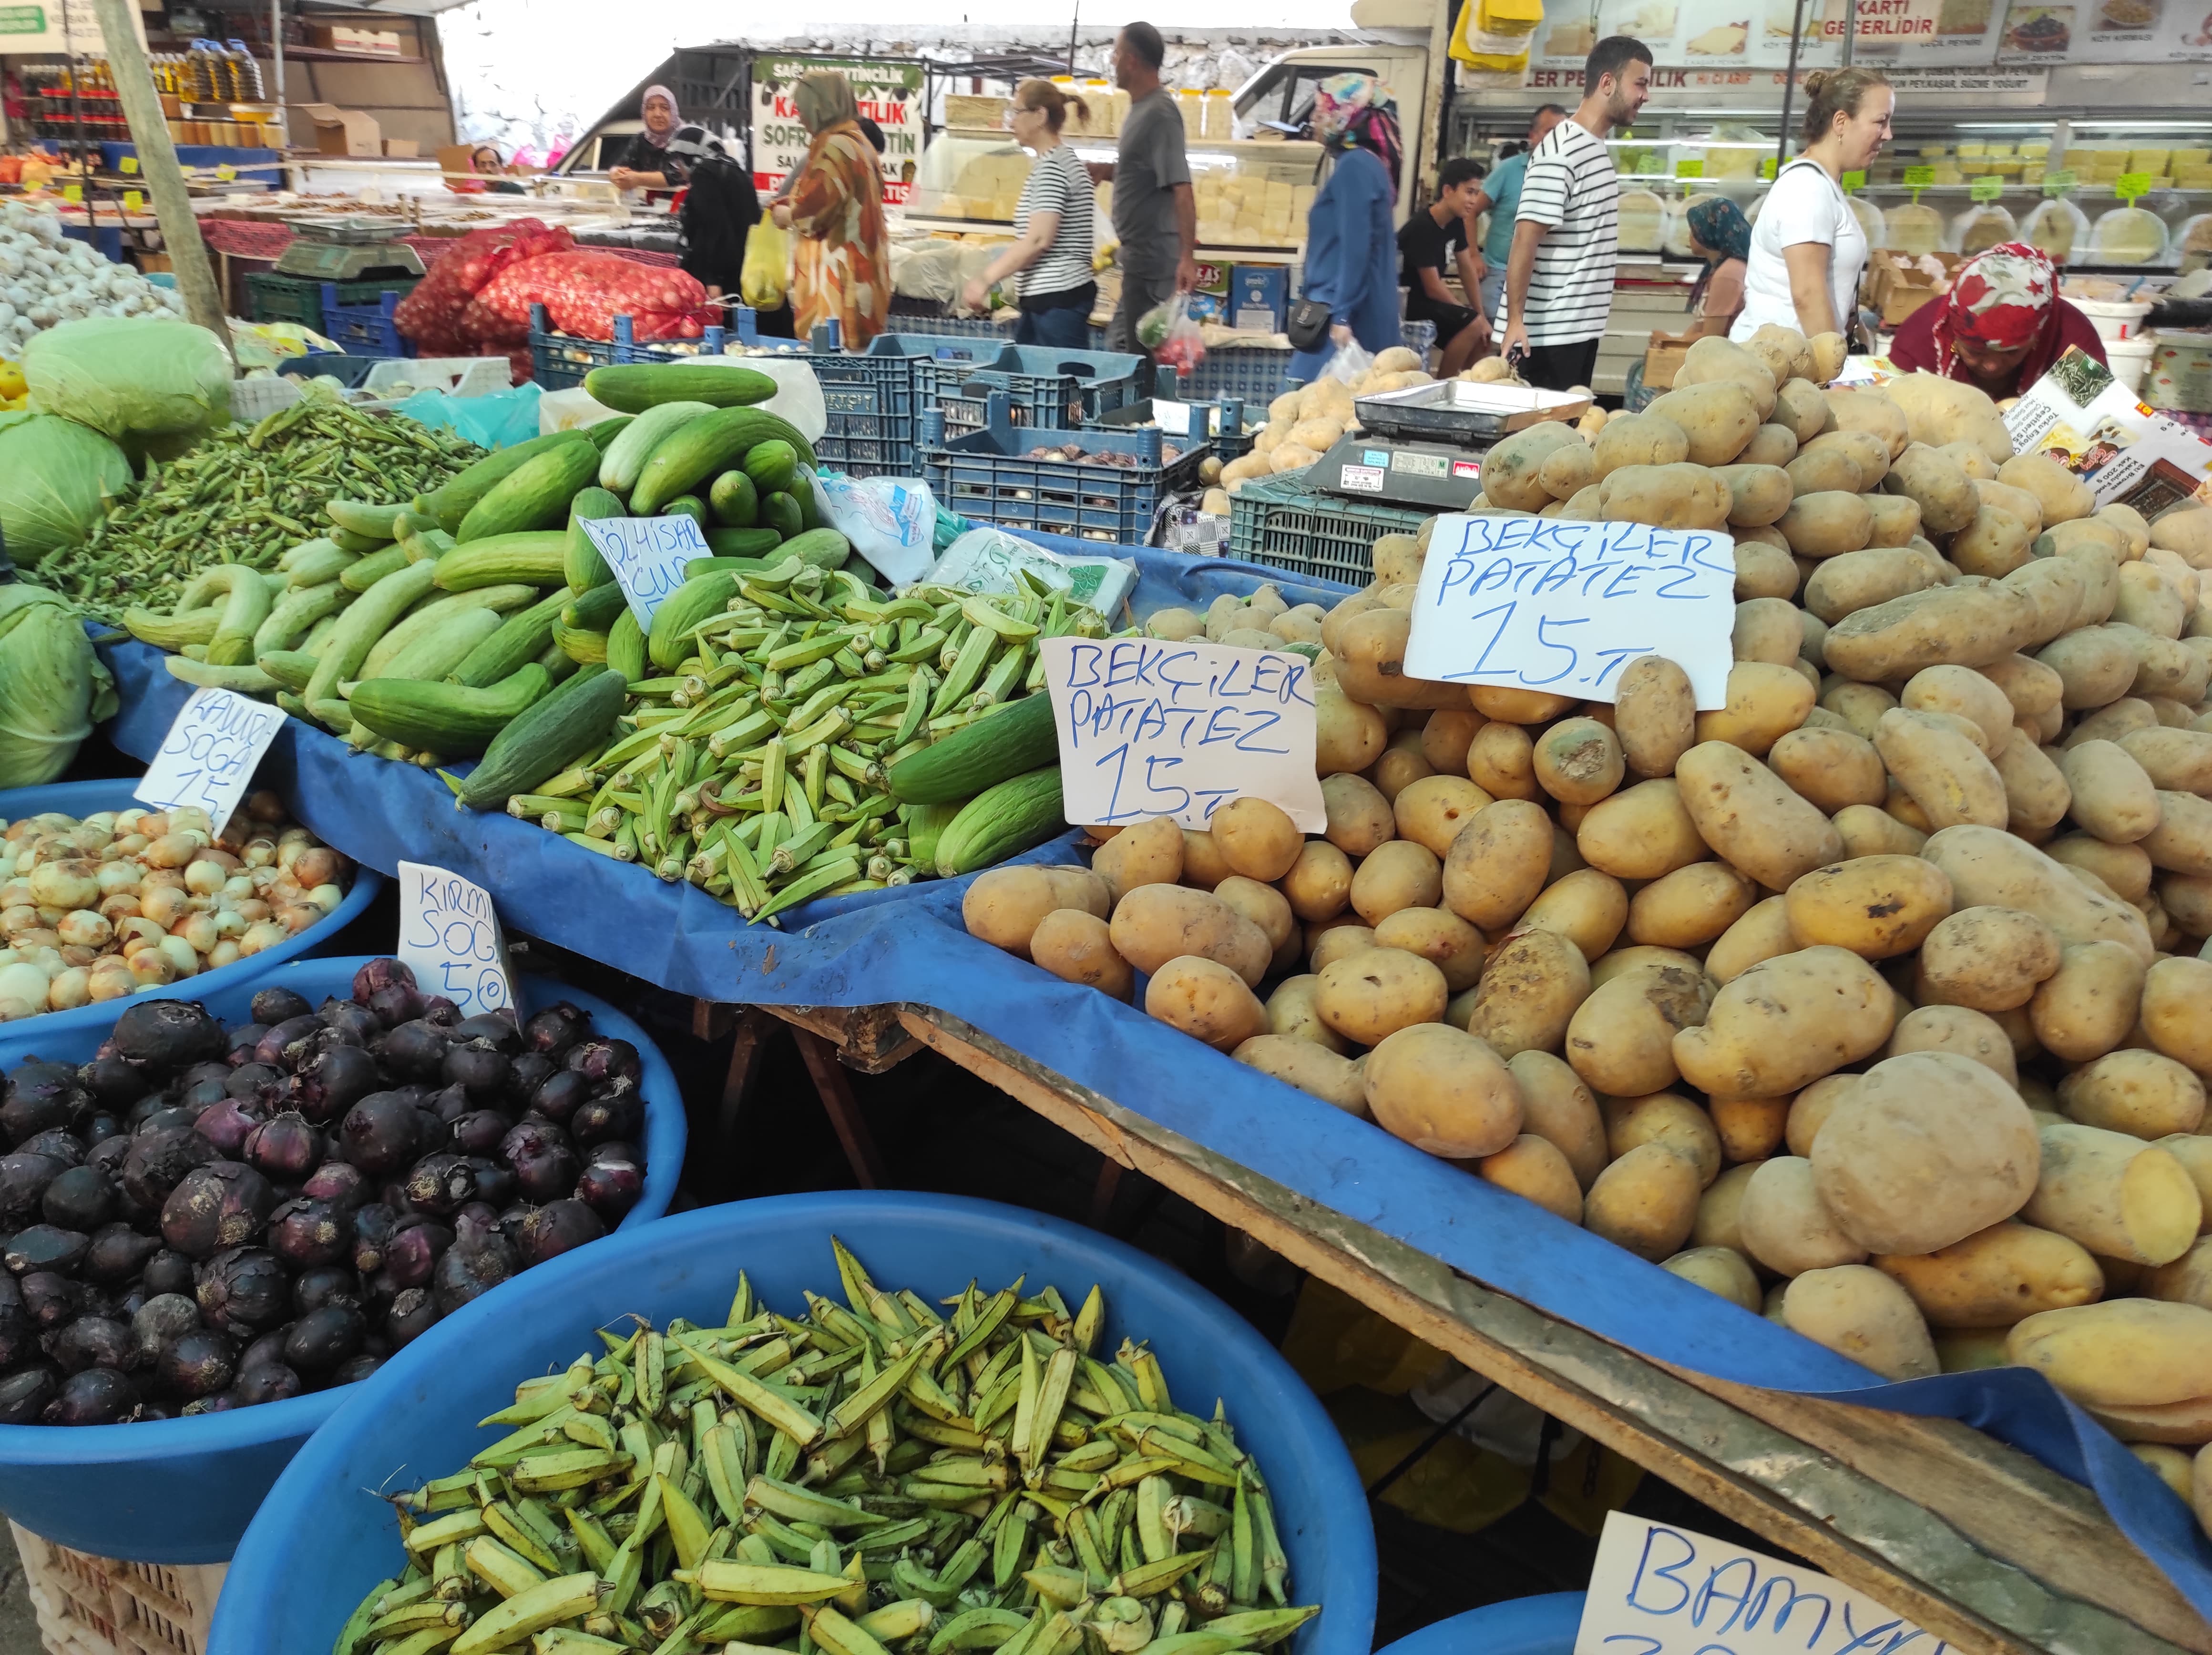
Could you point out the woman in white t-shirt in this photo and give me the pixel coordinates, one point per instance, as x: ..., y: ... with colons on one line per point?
x: 1807, y: 250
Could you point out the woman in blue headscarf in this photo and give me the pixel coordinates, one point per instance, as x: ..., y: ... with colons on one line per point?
x: 1722, y: 237
x: 1352, y: 243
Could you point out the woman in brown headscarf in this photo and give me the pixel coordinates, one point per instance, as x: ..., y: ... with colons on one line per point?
x: 841, y: 265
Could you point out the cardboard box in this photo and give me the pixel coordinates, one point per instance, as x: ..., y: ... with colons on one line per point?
x: 407, y: 148
x: 366, y: 42
x: 341, y: 131
x: 1662, y: 356
x: 1259, y: 297
x: 1896, y: 286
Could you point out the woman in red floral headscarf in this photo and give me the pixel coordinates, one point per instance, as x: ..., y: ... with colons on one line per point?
x: 2002, y: 325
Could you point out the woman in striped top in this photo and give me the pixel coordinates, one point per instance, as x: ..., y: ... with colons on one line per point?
x: 1052, y: 226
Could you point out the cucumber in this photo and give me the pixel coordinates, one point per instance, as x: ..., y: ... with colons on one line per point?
x: 368, y: 619
x: 581, y: 564
x: 743, y: 542
x: 739, y: 566
x: 545, y: 739
x: 1000, y: 822
x: 695, y: 601
x: 452, y: 502
x: 802, y: 491
x: 419, y: 542
x: 291, y: 668
x: 595, y: 608
x: 735, y: 500
x: 581, y: 644
x: 780, y: 512
x: 602, y: 432
x: 534, y: 496
x: 627, y: 455
x: 537, y: 556
x: 825, y: 549
x: 704, y: 447
x: 521, y: 638
x: 1016, y: 737
x: 626, y: 646
x: 925, y: 827
x: 440, y: 650
x: 446, y: 719
x: 360, y: 575
x: 362, y: 518
x: 360, y: 545
x: 772, y: 465
x: 635, y: 387
x: 689, y: 505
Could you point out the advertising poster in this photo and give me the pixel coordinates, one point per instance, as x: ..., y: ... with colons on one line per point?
x: 1701, y: 44
x: 889, y: 93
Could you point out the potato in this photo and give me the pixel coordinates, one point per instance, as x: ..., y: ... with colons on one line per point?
x: 2117, y: 1196
x: 1799, y: 404
x: 1988, y: 866
x: 2127, y: 1354
x: 2187, y: 899
x: 2035, y: 790
x: 1760, y: 932
x: 1588, y: 908
x: 1665, y: 497
x: 2112, y: 797
x: 1996, y: 1278
x: 1444, y: 739
x: 1765, y: 702
x: 1440, y: 936
x: 1858, y: 1311
x: 2175, y: 760
x: 1633, y: 439
x: 1876, y: 906
x: 1291, y: 1013
x: 1721, y: 1271
x: 1078, y: 947
x: 1319, y: 884
x: 1827, y: 522
x: 1988, y: 958
x: 1810, y: 1109
x: 1377, y: 992
x: 1510, y: 470
x: 1761, y: 570
x: 1398, y: 874
x: 2088, y: 1005
x: 2184, y: 530
x: 1143, y: 853
x: 1784, y: 351
x: 1994, y: 542
x: 1311, y: 1068
x: 1933, y: 481
x: 1822, y: 467
x: 2142, y: 1094
x: 1636, y: 957
x: 1783, y: 1022
x: 1719, y: 1221
x: 1771, y: 444
x: 1535, y: 1170
x: 2177, y: 1013
x: 1263, y: 905
x: 1501, y: 759
x: 1866, y: 830
x: 1947, y: 776
x: 1970, y: 459
x: 1432, y: 811
x: 1750, y: 1129
x: 1829, y: 768
x: 1005, y: 906
x: 1713, y: 358
x: 1557, y: 1107
x: 1443, y: 1091
x: 1567, y: 470
x: 1843, y: 584
x: 1655, y: 715
x: 1939, y: 411
x: 1964, y: 694
x: 1859, y: 705
x: 1528, y: 992
x: 2184, y: 1281
x: 1785, y: 1224
x: 1203, y: 865
x: 1349, y: 735
x: 1758, y: 493
x: 1717, y: 416
x: 1690, y: 907
x: 1621, y: 1039
x: 1370, y: 662
x: 1360, y: 818
x: 2181, y: 841
x: 1337, y: 941
x: 1924, y: 1151
x: 1745, y: 812
x: 1663, y: 1118
x: 1966, y: 625
x: 1497, y: 864
x: 1205, y: 1000
x: 1155, y: 923
x: 1646, y: 1201
x: 1961, y: 1031
x: 2059, y: 494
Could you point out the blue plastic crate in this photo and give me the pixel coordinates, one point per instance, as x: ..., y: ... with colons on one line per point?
x: 870, y: 400
x: 1284, y: 524
x: 1258, y: 375
x: 989, y: 475
x: 1227, y: 418
x: 1047, y: 387
x: 558, y: 360
x: 364, y: 329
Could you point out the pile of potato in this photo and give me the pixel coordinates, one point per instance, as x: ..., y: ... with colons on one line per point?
x: 1878, y: 999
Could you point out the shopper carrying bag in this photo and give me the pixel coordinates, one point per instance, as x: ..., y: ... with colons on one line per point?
x: 1054, y: 228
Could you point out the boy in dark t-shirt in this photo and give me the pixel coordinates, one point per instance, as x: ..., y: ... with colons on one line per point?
x: 1436, y: 240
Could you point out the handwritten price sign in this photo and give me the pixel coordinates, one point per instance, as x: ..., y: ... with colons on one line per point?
x: 647, y: 556
x: 450, y: 939
x: 208, y: 759
x: 1658, y: 1590
x: 1151, y: 728
x: 1537, y: 603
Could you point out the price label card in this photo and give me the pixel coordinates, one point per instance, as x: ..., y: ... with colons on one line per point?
x: 128, y: 165
x: 1151, y: 728
x: 1540, y: 603
x: 2128, y: 186
x: 449, y: 937
x: 1689, y: 169
x: 1986, y: 188
x: 647, y: 556
x: 226, y: 172
x: 1855, y: 180
x: 1659, y: 1589
x: 1769, y: 168
x: 210, y: 755
x: 133, y: 201
x: 1919, y: 177
x: 2061, y: 182
x: 73, y: 193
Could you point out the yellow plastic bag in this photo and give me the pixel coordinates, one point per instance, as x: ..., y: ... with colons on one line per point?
x: 1494, y: 34
x: 766, y: 278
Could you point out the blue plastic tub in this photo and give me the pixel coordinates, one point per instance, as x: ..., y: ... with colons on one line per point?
x: 81, y: 798
x: 322, y: 1539
x: 1521, y: 1626
x: 182, y: 1491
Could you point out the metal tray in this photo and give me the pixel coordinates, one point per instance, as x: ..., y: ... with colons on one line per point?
x: 1461, y: 411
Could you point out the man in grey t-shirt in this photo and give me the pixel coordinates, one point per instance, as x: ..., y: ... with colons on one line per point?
x: 1155, y: 214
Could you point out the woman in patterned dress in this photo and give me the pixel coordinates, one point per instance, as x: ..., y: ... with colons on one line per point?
x: 842, y: 262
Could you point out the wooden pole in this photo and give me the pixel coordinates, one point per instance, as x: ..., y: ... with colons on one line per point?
x: 157, y: 164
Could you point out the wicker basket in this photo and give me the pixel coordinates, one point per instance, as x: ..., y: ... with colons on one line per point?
x: 89, y: 1605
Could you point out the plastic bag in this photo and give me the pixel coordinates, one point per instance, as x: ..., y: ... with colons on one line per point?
x: 1349, y: 363
x: 985, y: 560
x: 889, y: 520
x: 1171, y: 334
x: 765, y: 280
x: 122, y: 374
x: 491, y: 421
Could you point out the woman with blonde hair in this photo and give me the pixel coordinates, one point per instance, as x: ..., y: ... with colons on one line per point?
x: 1054, y: 227
x: 840, y: 266
x: 1807, y: 250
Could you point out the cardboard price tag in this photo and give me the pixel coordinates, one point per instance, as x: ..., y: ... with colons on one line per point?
x: 128, y: 165
x: 1542, y: 603
x: 2131, y: 186
x: 208, y: 758
x: 2061, y: 182
x: 647, y: 556
x: 1769, y: 168
x: 1658, y: 1590
x: 73, y: 193
x: 226, y: 172
x: 133, y: 200
x: 1689, y: 169
x: 1854, y: 181
x: 449, y: 937
x: 1151, y: 728
x: 1988, y: 187
x: 1919, y: 177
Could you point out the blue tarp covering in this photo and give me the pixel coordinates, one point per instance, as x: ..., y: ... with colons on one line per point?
x: 909, y: 946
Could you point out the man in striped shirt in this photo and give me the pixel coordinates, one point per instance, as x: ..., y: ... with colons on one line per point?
x: 1558, y: 279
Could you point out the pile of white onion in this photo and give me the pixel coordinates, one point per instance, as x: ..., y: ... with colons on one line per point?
x: 126, y: 900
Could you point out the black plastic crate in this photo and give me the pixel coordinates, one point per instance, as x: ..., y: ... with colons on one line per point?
x: 989, y: 475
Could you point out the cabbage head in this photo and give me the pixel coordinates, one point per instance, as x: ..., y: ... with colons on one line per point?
x: 57, y: 482
x: 127, y: 373
x: 53, y: 688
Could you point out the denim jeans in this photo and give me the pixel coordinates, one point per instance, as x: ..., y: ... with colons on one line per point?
x: 1061, y: 330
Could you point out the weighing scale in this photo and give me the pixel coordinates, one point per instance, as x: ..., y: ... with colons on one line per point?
x: 1423, y: 447
x: 348, y: 249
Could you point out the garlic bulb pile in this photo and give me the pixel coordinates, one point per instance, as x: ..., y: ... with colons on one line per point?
x: 131, y: 899
x: 47, y: 278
